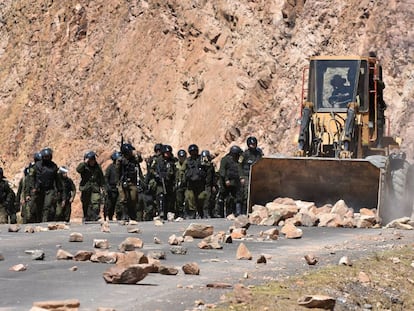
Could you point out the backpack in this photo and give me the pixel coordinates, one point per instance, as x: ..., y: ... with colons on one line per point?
x: 195, y: 171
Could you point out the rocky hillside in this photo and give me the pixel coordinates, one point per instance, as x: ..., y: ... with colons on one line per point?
x: 75, y: 75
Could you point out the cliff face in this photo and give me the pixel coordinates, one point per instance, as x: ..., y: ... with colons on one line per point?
x: 75, y: 75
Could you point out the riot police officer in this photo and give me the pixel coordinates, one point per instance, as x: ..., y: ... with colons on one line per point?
x: 180, y: 183
x: 112, y: 193
x: 47, y: 186
x: 7, y: 198
x: 164, y: 174
x: 231, y: 180
x: 91, y: 186
x: 129, y: 175
x: 249, y: 157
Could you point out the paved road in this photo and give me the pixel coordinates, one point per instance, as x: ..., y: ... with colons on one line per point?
x: 52, y: 279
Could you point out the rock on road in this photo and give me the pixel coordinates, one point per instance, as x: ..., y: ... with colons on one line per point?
x: 52, y: 279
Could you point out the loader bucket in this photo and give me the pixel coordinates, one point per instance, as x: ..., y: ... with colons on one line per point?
x: 318, y: 180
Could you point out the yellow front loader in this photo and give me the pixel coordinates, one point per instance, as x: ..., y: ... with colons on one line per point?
x: 343, y: 150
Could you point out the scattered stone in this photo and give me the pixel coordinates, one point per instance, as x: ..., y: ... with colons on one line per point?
x: 134, y: 230
x: 191, y: 268
x: 154, y: 264
x: 57, y: 227
x: 131, y: 258
x: 157, y: 240
x: 174, y: 240
x: 101, y: 243
x: 40, y: 229
x: 238, y: 233
x: 18, y: 268
x: 345, y: 261
x: 1, y: 257
x: 74, y: 268
x: 178, y: 250
x: 210, y: 242
x: 231, y: 217
x: 158, y: 222
x: 311, y: 259
x: 340, y: 208
x: 168, y: 270
x: 242, y: 221
x: 130, y: 244
x: 105, y: 309
x: 261, y: 259
x: 198, y: 230
x: 363, y: 277
x: 395, y: 260
x: 284, y: 207
x: 29, y: 229
x: 160, y: 255
x: 188, y: 239
x: 243, y: 252
x: 63, y: 255
x: 104, y: 257
x: 219, y: 285
x: 70, y: 304
x: 76, y: 237
x: 83, y: 255
x: 37, y: 254
x: 14, y: 228
x: 125, y: 275
x: 105, y: 227
x: 400, y: 223
x: 199, y: 302
x: 317, y: 301
x: 272, y: 234
x: 291, y: 232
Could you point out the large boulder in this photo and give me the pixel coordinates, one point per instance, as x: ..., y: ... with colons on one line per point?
x: 120, y: 274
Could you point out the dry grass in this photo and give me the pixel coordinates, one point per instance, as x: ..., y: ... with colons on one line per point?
x: 389, y: 286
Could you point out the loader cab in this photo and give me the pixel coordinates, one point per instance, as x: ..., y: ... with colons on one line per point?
x: 334, y: 83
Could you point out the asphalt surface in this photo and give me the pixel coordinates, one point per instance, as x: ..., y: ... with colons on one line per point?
x: 52, y: 279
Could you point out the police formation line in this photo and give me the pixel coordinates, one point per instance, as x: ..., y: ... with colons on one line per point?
x: 187, y: 185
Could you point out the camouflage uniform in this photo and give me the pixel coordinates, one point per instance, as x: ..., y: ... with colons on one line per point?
x: 47, y: 185
x: 230, y: 176
x: 163, y: 172
x: 249, y: 157
x: 7, y: 198
x: 64, y: 208
x: 91, y: 185
x: 112, y: 192
x: 129, y: 172
x: 180, y: 188
x: 210, y: 186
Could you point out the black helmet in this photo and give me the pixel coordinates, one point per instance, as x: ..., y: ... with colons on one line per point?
x: 166, y: 149
x: 90, y: 155
x: 193, y: 148
x: 157, y: 147
x: 235, y: 150
x: 205, y: 153
x: 127, y: 148
x: 115, y: 156
x: 251, y: 140
x: 37, y: 156
x: 182, y: 153
x: 46, y: 152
